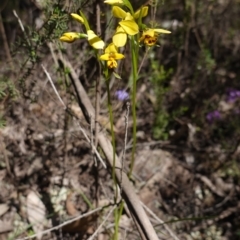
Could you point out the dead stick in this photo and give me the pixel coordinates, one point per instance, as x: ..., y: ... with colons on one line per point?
x: 5, y: 43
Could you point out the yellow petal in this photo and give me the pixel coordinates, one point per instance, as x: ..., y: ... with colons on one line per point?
x: 160, y: 30
x: 111, y: 63
x: 104, y: 57
x: 118, y: 56
x: 118, y: 12
x: 77, y: 17
x: 129, y: 16
x: 69, y: 37
x: 144, y: 12
x: 113, y: 2
x: 150, y: 41
x: 111, y: 48
x: 150, y: 32
x: 129, y: 26
x: 94, y: 40
x: 120, y: 37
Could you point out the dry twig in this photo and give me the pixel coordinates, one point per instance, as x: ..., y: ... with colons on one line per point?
x: 64, y: 224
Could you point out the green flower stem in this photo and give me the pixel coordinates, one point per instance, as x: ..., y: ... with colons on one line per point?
x: 113, y: 138
x: 129, y: 6
x: 86, y: 24
x: 134, y: 56
x: 117, y: 215
x: 117, y: 211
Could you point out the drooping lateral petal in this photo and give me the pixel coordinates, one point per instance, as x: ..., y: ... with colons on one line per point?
x: 77, y: 17
x: 129, y: 26
x: 120, y: 37
x: 160, y: 30
x: 113, y: 2
x: 118, y: 56
x: 144, y: 12
x: 118, y: 12
x: 104, y: 57
x: 94, y: 40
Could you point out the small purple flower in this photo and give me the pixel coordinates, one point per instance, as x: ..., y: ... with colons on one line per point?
x: 212, y: 116
x: 121, y: 95
x: 233, y: 95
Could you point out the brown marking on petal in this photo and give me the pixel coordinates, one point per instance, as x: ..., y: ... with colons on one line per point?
x: 150, y: 41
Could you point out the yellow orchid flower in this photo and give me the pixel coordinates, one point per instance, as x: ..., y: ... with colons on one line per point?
x: 95, y: 41
x: 128, y: 26
x: 120, y: 13
x: 77, y: 17
x: 150, y: 36
x: 111, y: 2
x: 69, y: 37
x: 110, y: 55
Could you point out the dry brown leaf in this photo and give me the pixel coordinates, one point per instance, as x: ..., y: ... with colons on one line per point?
x: 36, y: 212
x: 3, y: 208
x: 71, y: 210
x: 83, y: 225
x: 5, y: 226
